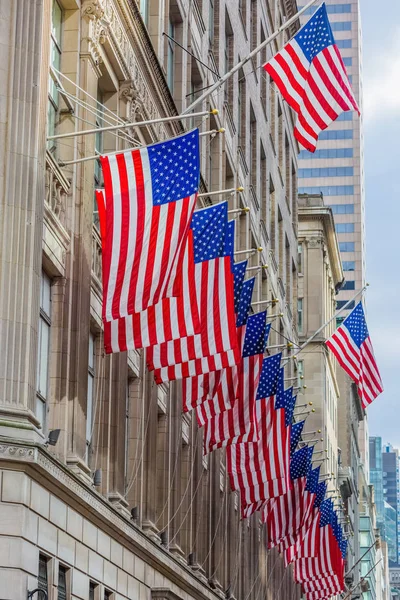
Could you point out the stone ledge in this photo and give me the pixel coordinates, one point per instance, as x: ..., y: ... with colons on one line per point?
x: 39, y: 464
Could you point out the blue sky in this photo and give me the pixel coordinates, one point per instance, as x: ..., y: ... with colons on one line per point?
x: 381, y: 80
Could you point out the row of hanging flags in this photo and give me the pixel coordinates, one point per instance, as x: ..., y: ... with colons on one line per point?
x: 171, y: 286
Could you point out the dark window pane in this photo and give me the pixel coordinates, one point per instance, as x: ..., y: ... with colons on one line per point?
x: 42, y: 579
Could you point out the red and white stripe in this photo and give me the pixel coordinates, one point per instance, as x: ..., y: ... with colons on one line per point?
x: 318, y: 91
x: 237, y: 424
x: 286, y: 514
x: 223, y: 398
x: 198, y: 366
x: 359, y: 363
x: 144, y: 242
x: 170, y: 318
x: 328, y: 561
x: 260, y: 470
x: 215, y: 298
x: 199, y: 388
x: 307, y: 542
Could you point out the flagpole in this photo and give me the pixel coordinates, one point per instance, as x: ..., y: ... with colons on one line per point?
x: 360, y: 559
x: 310, y: 339
x: 361, y: 580
x: 240, y: 64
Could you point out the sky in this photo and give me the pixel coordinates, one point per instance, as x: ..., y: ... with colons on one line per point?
x: 381, y: 81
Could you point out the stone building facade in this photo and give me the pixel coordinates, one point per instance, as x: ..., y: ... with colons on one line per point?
x: 320, y: 276
x: 161, y: 521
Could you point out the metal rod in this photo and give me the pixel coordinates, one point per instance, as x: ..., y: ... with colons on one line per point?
x: 235, y: 211
x: 240, y: 64
x: 362, y: 579
x: 216, y: 192
x: 97, y: 156
x: 287, y: 346
x: 328, y: 321
x: 275, y: 316
x: 191, y: 54
x: 264, y: 302
x: 252, y: 250
x: 127, y: 125
x: 256, y: 269
x: 311, y: 432
x: 360, y: 559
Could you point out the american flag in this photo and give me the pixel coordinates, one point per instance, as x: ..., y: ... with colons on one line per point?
x: 214, y: 289
x: 284, y: 515
x: 305, y: 545
x: 226, y: 389
x: 217, y: 346
x: 150, y: 197
x: 311, y: 76
x: 295, y: 435
x: 170, y: 318
x: 323, y: 573
x: 259, y: 469
x: 238, y: 424
x: 304, y: 511
x: 351, y: 344
x: 202, y: 387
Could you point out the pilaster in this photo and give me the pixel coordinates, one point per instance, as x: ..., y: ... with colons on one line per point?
x: 22, y: 151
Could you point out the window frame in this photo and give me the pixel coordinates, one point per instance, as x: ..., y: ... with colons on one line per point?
x: 42, y: 395
x: 53, y: 104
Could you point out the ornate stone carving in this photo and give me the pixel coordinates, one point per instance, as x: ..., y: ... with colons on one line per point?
x: 96, y: 255
x: 314, y: 242
x: 56, y: 189
x: 16, y: 452
x: 93, y: 9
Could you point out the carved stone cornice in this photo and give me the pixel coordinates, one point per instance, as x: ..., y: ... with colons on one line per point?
x: 93, y: 9
x: 47, y: 470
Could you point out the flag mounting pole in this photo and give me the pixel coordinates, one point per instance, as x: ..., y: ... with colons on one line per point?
x: 240, y: 64
x: 203, y: 113
x: 310, y: 339
x: 361, y: 580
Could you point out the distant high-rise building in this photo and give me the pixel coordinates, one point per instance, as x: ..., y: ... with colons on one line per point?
x: 376, y: 478
x: 337, y: 167
x: 391, y: 486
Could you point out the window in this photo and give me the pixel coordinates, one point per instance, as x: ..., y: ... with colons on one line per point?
x: 300, y: 373
x: 342, y: 209
x: 346, y: 246
x: 242, y: 111
x: 62, y: 583
x: 349, y: 285
x: 92, y: 591
x: 229, y: 53
x: 42, y: 377
x: 343, y: 44
x: 328, y: 190
x: 242, y: 11
x: 344, y: 227
x: 345, y: 116
x: 327, y: 172
x: 211, y: 18
x: 300, y: 315
x: 144, y: 11
x: 43, y: 583
x: 170, y: 56
x: 90, y: 392
x: 333, y: 9
x: 55, y: 62
x: 348, y: 62
x: 98, y: 145
x: 107, y: 595
x: 349, y: 265
x: 328, y: 152
x: 300, y: 258
x: 336, y: 134
x: 341, y: 303
x: 341, y: 26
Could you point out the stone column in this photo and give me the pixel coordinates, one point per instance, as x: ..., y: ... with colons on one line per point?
x: 23, y: 93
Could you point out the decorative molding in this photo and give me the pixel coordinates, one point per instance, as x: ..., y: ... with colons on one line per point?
x: 13, y: 452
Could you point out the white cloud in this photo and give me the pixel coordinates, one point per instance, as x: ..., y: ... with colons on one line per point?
x: 382, y: 82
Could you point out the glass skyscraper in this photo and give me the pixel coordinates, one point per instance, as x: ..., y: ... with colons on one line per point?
x: 337, y: 167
